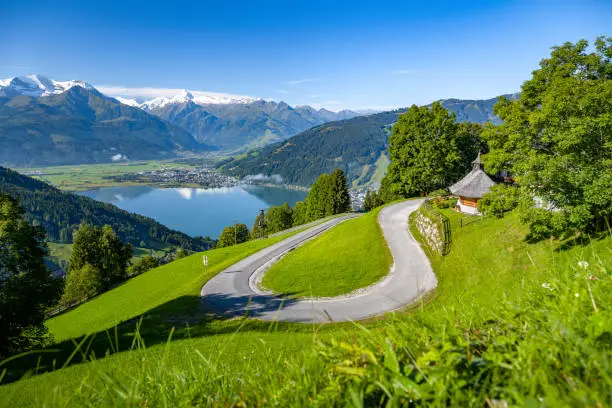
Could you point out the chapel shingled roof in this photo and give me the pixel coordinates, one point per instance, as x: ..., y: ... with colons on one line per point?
x: 475, y: 184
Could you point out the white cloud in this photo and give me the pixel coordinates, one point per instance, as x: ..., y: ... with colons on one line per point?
x: 302, y: 81
x: 274, y: 178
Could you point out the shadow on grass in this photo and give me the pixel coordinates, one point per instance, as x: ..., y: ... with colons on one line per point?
x: 582, y: 240
x: 185, y: 317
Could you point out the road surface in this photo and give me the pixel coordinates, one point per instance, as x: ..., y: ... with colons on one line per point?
x: 231, y: 292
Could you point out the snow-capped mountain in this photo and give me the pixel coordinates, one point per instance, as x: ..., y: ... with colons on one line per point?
x: 129, y: 102
x: 36, y: 86
x: 197, y: 97
x: 219, y: 119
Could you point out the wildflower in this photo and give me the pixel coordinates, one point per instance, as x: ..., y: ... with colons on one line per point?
x: 547, y: 285
x: 583, y: 264
x: 592, y: 277
x: 577, y: 295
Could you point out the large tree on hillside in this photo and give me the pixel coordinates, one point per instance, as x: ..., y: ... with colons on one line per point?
x: 278, y: 218
x: 328, y: 196
x: 341, y: 197
x: 428, y: 151
x: 556, y: 140
x: 26, y: 286
x: 319, y: 202
x: 101, y: 249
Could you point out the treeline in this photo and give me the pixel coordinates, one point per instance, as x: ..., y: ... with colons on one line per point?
x: 328, y: 196
x: 60, y: 214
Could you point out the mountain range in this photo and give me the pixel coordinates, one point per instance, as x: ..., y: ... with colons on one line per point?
x: 48, y: 122
x: 357, y: 145
x: 236, y: 122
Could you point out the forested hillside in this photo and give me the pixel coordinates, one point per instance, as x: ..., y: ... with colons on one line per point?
x: 61, y: 213
x: 347, y: 144
x: 357, y: 145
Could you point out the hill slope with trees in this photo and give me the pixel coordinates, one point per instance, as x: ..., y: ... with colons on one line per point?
x: 61, y: 213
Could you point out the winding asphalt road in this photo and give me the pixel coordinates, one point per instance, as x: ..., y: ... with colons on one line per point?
x: 231, y: 292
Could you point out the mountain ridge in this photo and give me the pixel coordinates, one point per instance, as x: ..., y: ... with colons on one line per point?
x: 231, y: 122
x: 81, y: 125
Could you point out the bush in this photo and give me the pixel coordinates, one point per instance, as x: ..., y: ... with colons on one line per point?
x: 232, y: 235
x: 81, y: 284
x: 143, y: 265
x: 499, y: 200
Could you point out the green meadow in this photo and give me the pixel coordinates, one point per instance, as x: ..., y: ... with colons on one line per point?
x: 360, y: 258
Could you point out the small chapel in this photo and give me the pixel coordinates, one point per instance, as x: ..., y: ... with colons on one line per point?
x: 471, y: 188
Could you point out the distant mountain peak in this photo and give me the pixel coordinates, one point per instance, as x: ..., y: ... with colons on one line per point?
x: 197, y: 97
x: 37, y: 85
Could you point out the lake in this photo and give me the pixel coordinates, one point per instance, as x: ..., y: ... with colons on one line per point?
x: 197, y: 211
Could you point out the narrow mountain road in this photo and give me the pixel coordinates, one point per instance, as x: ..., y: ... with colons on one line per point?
x: 231, y: 293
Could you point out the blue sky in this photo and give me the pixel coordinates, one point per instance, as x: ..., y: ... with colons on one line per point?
x: 335, y: 54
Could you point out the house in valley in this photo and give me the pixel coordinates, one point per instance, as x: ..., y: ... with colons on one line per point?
x: 471, y: 188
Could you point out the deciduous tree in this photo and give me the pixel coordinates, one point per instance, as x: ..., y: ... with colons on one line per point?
x: 428, y: 151
x: 556, y: 140
x: 26, y: 286
x: 232, y: 235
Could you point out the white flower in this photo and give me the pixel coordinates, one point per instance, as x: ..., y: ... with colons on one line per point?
x: 547, y: 285
x: 577, y: 295
x: 583, y: 264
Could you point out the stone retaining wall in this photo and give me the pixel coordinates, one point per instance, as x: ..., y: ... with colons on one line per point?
x: 430, y: 230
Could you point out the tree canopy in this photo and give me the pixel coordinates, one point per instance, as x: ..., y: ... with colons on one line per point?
x: 328, y: 196
x: 428, y: 151
x: 26, y: 286
x: 97, y: 253
x: 556, y: 140
x: 232, y: 235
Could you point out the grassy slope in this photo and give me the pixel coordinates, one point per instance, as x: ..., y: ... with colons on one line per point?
x: 351, y: 255
x: 489, y: 262
x: 160, y: 287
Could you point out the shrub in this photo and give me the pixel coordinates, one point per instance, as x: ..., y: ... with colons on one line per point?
x: 143, y: 265
x: 81, y: 284
x: 500, y: 199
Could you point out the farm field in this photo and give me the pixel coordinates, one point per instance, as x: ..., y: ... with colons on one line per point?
x: 90, y: 176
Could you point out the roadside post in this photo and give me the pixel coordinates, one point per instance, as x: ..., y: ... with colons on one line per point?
x: 205, y: 260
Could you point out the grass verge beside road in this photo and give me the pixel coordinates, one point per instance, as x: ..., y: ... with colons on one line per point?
x: 352, y: 255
